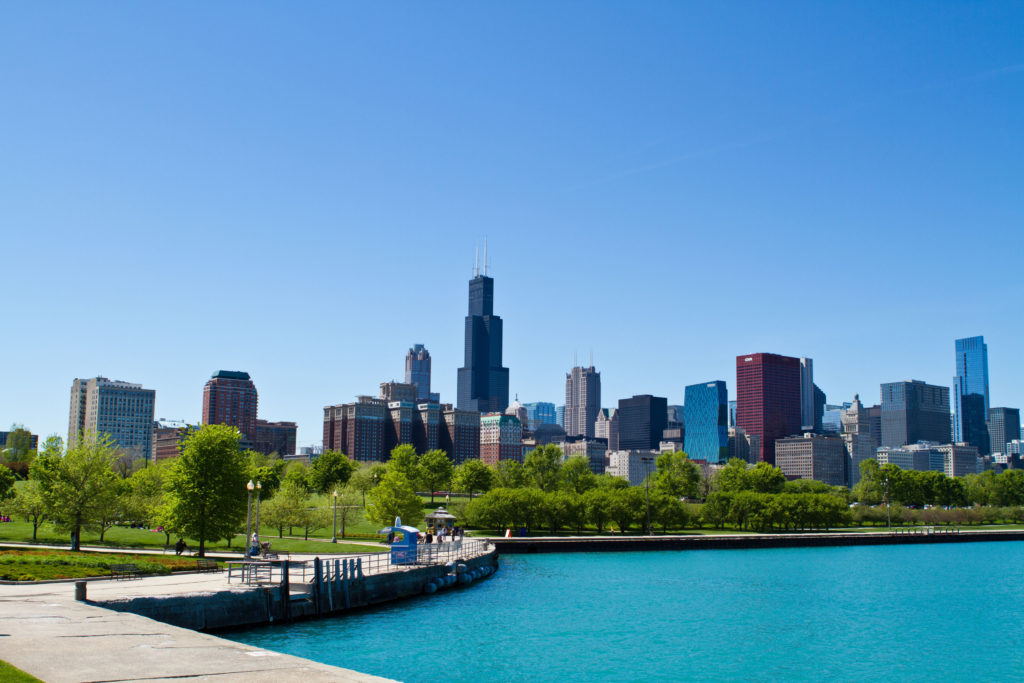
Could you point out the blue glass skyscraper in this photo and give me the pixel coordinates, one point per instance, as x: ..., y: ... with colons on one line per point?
x: 540, y: 413
x: 706, y: 415
x: 970, y: 393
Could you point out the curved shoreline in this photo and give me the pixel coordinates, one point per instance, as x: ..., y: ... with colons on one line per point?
x: 577, y: 544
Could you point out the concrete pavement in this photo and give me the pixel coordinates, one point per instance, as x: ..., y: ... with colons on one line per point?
x: 45, y: 632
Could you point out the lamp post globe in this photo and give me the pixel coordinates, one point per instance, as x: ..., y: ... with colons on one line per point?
x: 334, y: 525
x: 248, y: 514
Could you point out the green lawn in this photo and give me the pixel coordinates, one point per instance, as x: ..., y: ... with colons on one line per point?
x: 10, y: 674
x: 38, y: 565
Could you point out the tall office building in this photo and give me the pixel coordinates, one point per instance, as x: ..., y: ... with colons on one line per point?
x: 560, y: 416
x: 606, y: 426
x: 501, y: 438
x: 732, y: 413
x: 230, y: 398
x: 122, y: 410
x: 539, y: 413
x: 642, y: 421
x: 483, y: 382
x: 807, y: 422
x: 417, y: 370
x: 914, y: 411
x: 460, y: 433
x: 274, y: 437
x: 357, y: 429
x: 970, y: 393
x: 768, y: 399
x: 1003, y: 427
x: 582, y: 401
x: 706, y: 417
x: 812, y: 456
x: 860, y: 441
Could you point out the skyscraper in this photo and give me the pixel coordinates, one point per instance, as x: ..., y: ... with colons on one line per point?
x: 706, y: 415
x: 1003, y: 427
x: 230, y: 398
x: 807, y: 422
x: 417, y: 370
x: 641, y: 422
x: 482, y: 382
x: 122, y: 410
x: 768, y: 399
x: 539, y: 413
x: 970, y: 393
x: 914, y: 411
x: 582, y: 401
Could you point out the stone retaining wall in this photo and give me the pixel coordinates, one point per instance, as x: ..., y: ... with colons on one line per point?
x: 268, y: 604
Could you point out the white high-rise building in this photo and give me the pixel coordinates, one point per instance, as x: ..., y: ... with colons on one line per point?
x: 122, y: 410
x: 582, y: 401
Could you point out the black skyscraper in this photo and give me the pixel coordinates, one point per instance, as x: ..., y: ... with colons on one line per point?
x: 641, y: 422
x: 483, y: 383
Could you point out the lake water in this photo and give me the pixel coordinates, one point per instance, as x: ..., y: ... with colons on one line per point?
x: 944, y: 612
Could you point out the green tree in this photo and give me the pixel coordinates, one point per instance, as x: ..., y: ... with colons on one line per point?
x: 576, y: 475
x: 77, y: 486
x: 30, y: 504
x: 394, y: 497
x: 716, y: 508
x: 405, y: 461
x: 7, y: 481
x: 766, y: 478
x: 677, y: 475
x: 348, y: 507
x: 267, y: 470
x: 1009, y: 488
x: 598, y: 505
x: 627, y: 507
x: 297, y: 473
x: 331, y: 470
x: 284, y: 510
x: 732, y: 477
x: 559, y: 508
x: 543, y: 467
x: 206, y: 485
x: 111, y: 507
x: 510, y: 474
x: 668, y: 511
x: 145, y: 498
x: 435, y: 471
x: 366, y: 477
x: 472, y: 476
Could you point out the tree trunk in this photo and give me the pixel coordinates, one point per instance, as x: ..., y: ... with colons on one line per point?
x: 103, y: 531
x: 343, y: 527
x: 307, y: 534
x: 202, y: 547
x: 167, y: 536
x: 75, y: 540
x: 35, y: 528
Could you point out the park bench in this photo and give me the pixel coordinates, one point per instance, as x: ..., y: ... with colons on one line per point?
x: 124, y: 571
x: 206, y: 564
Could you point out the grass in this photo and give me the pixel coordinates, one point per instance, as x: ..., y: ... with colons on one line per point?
x: 41, y: 565
x: 12, y: 674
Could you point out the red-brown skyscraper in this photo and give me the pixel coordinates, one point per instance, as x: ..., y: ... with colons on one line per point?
x: 230, y: 398
x: 768, y: 398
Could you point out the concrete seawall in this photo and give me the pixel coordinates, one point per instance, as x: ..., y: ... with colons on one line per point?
x: 210, y: 611
x: 741, y: 541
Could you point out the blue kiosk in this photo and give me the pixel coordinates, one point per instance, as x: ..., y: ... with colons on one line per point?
x: 403, y: 548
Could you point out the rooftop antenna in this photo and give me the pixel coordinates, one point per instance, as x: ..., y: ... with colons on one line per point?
x: 476, y: 261
x: 485, y: 257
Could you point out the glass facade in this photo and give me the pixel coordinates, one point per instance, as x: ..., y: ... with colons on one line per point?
x: 540, y: 413
x: 970, y: 393
x: 706, y: 416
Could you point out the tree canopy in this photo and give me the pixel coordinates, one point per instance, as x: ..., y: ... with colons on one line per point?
x: 207, y: 485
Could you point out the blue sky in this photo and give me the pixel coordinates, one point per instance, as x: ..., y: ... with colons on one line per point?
x: 297, y: 190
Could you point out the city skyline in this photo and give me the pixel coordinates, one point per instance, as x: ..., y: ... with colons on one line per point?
x: 860, y: 144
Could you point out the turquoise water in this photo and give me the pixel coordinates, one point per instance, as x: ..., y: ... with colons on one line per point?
x: 949, y: 612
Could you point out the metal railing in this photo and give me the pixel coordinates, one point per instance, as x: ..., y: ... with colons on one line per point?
x: 270, y: 572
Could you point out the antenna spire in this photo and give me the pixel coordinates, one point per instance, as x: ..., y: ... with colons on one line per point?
x: 476, y: 261
x: 485, y: 256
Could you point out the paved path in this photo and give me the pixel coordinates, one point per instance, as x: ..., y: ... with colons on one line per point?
x: 46, y: 633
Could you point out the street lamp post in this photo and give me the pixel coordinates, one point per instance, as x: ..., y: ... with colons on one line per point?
x: 258, y: 491
x: 334, y: 526
x: 888, y: 515
x: 647, y: 486
x: 248, y: 515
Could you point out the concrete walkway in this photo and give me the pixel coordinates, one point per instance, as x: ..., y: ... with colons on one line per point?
x: 45, y: 632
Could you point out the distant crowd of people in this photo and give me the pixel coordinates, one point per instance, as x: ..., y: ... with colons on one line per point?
x: 4, y: 518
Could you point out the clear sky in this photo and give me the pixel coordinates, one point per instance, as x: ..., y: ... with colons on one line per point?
x: 296, y: 190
